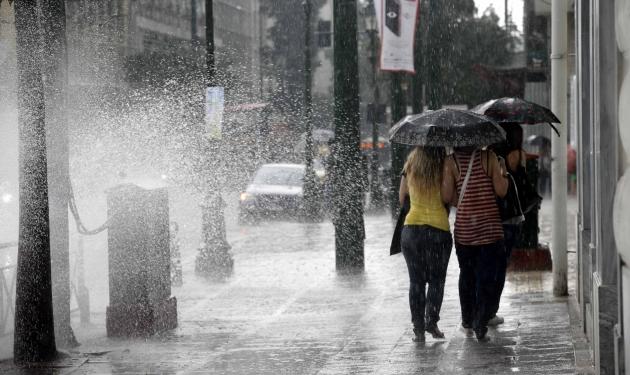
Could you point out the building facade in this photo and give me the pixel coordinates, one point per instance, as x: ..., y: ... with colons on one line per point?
x: 121, y: 43
x: 603, y: 119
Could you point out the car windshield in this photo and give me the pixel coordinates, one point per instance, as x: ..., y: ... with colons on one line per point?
x: 279, y: 176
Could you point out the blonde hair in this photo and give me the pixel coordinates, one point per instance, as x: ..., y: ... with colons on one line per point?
x: 423, y: 167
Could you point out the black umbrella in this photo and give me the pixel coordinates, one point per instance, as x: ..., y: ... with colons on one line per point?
x: 518, y: 111
x: 538, y: 140
x: 446, y: 127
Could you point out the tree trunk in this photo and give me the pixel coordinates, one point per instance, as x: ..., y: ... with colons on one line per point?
x: 349, y: 226
x: 34, y: 337
x: 55, y: 73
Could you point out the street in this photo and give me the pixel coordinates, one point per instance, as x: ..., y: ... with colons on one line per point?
x: 285, y: 310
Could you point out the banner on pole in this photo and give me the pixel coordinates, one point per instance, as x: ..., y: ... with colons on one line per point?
x: 397, y: 27
x: 215, y: 100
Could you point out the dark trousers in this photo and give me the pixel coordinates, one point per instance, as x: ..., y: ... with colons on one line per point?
x: 511, y: 232
x: 477, y: 282
x: 426, y: 251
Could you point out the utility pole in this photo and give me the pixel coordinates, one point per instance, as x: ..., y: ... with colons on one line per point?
x: 376, y: 193
x: 193, y: 23
x: 34, y: 336
x: 349, y: 225
x: 310, y: 188
x: 507, y: 22
x: 398, y: 110
x: 418, y: 59
x: 559, y: 145
x: 214, y: 258
x: 55, y: 72
x: 434, y: 55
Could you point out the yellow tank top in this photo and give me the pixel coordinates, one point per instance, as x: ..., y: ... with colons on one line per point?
x: 426, y: 209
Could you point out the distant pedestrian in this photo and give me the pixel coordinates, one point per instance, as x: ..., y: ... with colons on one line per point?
x: 426, y: 239
x: 479, y: 178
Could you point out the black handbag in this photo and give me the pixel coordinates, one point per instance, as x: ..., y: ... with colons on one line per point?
x: 527, y: 193
x: 395, y: 248
x: 510, y: 208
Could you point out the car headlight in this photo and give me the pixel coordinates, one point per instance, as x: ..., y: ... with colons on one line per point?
x: 246, y: 197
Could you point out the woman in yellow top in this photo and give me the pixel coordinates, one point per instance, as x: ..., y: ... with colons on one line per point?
x: 426, y: 239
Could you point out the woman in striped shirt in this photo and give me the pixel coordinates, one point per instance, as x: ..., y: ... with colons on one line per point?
x: 478, y: 177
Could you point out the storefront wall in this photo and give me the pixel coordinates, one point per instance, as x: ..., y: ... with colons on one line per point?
x: 601, y: 117
x: 622, y: 196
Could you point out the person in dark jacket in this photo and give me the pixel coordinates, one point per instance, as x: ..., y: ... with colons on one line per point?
x: 511, y: 207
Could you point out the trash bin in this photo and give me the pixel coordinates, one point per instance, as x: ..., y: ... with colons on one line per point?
x: 140, y: 302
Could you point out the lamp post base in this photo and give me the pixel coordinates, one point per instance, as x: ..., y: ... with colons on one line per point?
x: 215, y: 262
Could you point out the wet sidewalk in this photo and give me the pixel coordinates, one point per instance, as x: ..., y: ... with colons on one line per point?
x: 287, y: 311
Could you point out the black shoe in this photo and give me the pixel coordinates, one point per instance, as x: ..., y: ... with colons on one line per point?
x: 418, y: 335
x: 481, y: 336
x: 495, y: 321
x: 466, y: 328
x: 435, y: 332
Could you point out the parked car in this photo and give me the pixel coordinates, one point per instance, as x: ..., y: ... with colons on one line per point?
x: 276, y: 190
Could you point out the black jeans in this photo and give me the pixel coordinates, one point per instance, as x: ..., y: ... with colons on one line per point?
x: 511, y: 232
x: 426, y: 251
x: 477, y: 282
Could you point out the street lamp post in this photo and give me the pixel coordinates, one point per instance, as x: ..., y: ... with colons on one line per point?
x: 371, y: 27
x: 214, y: 259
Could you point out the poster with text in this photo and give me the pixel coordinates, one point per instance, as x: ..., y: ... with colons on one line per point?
x: 215, y: 100
x: 397, y: 25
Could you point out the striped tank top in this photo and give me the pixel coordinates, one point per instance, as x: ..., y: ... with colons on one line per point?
x: 477, y: 221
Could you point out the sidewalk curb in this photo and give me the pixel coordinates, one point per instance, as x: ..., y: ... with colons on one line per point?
x: 582, y: 348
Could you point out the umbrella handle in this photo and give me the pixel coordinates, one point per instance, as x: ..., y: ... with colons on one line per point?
x: 555, y: 129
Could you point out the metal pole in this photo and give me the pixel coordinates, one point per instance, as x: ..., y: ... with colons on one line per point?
x: 559, y: 145
x: 348, y: 221
x: 376, y: 196
x: 398, y: 110
x: 210, y: 64
x: 214, y: 259
x: 507, y: 24
x: 193, y: 23
x: 309, y: 173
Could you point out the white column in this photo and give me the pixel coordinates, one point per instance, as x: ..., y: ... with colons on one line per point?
x: 559, y: 145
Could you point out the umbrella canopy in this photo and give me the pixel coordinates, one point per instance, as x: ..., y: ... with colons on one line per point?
x: 538, y: 140
x: 447, y: 127
x: 319, y: 136
x: 516, y: 110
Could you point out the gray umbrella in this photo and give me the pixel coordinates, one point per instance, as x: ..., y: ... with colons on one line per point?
x: 447, y: 127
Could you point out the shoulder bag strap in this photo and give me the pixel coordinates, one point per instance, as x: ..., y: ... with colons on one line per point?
x: 468, y: 172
